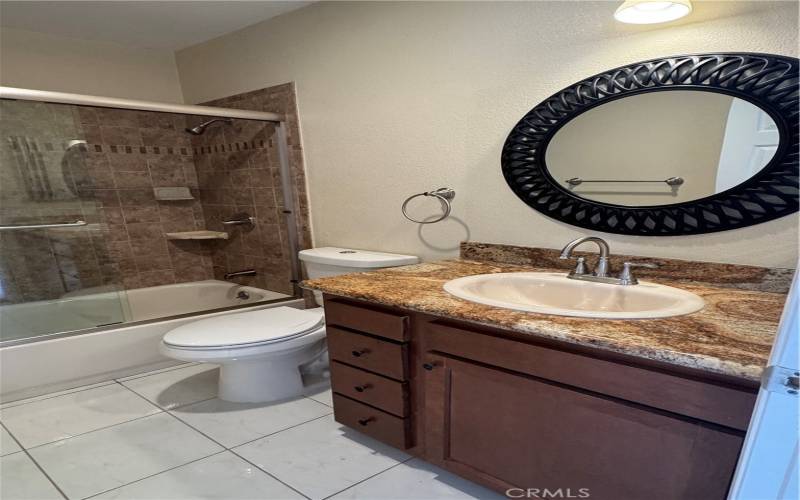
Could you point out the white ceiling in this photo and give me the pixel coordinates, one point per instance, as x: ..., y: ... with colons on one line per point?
x: 144, y: 24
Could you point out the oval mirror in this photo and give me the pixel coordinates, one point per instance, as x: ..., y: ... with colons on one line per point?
x: 678, y: 145
x: 662, y: 148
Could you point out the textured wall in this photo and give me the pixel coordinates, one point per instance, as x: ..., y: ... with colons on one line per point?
x: 48, y: 62
x: 397, y: 98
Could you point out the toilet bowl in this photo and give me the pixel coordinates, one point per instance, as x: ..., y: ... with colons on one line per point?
x: 259, y: 352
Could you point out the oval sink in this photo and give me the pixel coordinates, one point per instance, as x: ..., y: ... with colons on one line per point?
x: 553, y: 293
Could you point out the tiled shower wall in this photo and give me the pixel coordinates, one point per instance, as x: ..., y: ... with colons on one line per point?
x: 109, y: 180
x: 130, y: 153
x: 237, y: 167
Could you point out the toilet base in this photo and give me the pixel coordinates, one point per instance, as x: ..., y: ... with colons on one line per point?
x: 259, y: 380
x: 259, y: 373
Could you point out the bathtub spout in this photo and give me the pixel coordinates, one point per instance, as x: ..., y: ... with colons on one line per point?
x: 246, y: 272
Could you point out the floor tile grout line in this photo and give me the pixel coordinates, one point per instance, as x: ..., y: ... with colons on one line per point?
x: 89, y: 387
x: 75, y: 390
x: 271, y: 475
x: 197, y: 430
x: 278, y: 432
x: 399, y: 463
x: 176, y: 407
x: 246, y: 442
x: 153, y: 373
x: 184, y: 405
x: 246, y: 460
x: 154, y: 474
x: 160, y: 411
x: 35, y: 463
x: 317, y: 401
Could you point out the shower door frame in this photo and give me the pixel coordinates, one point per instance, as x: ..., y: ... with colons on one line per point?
x: 289, y: 203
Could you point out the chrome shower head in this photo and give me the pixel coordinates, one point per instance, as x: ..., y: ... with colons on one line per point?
x: 199, y: 129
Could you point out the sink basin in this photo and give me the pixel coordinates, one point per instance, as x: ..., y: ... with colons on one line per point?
x: 554, y: 293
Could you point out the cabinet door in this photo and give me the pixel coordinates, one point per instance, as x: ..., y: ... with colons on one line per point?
x: 508, y: 430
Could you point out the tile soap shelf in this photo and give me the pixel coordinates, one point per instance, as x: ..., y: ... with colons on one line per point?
x: 197, y: 235
x: 172, y: 193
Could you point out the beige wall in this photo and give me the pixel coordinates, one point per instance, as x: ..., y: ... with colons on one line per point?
x: 397, y: 98
x: 646, y: 136
x: 47, y: 62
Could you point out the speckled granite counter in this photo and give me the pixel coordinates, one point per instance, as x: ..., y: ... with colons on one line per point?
x: 732, y: 335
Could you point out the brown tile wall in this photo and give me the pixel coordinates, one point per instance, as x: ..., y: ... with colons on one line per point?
x: 108, y: 182
x: 238, y: 170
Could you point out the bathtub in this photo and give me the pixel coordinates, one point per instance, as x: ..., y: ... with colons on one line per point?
x: 124, y: 331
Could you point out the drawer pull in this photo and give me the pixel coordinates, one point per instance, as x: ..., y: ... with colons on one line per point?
x: 365, y: 421
x: 428, y: 366
x: 362, y: 388
x: 359, y: 353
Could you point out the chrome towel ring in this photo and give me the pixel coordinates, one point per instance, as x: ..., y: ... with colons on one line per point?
x: 445, y: 195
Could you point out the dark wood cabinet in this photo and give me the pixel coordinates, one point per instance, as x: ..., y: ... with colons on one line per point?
x: 515, y: 431
x: 511, y: 411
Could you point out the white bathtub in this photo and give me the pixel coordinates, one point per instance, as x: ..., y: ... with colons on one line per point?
x: 56, y: 361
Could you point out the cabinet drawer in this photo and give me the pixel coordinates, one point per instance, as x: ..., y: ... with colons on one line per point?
x: 381, y: 392
x: 369, y: 353
x: 383, y: 324
x: 371, y: 421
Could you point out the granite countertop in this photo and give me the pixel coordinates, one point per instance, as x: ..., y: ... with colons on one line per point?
x: 731, y: 335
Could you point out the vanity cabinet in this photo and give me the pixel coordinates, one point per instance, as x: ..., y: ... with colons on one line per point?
x: 516, y: 431
x: 511, y: 411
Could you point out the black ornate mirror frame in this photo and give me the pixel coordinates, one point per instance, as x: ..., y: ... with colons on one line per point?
x: 768, y: 81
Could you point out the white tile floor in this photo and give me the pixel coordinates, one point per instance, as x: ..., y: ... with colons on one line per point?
x: 163, y: 435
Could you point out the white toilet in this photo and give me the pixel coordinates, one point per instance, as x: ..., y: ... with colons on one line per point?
x: 260, y: 352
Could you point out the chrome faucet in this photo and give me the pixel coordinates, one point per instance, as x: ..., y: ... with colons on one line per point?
x: 601, y: 271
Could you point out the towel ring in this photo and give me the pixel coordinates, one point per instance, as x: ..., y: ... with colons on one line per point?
x: 445, y: 195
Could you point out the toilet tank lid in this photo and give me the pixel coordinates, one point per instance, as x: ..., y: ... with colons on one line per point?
x: 348, y: 257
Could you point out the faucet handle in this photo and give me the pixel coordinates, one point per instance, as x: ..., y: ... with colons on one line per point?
x: 580, y: 266
x: 626, y: 277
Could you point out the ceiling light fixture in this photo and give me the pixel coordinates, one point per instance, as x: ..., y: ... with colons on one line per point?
x: 652, y: 11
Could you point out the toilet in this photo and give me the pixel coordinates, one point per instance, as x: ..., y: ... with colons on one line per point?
x: 260, y: 352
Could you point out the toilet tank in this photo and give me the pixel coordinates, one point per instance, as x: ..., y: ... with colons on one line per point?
x: 332, y: 261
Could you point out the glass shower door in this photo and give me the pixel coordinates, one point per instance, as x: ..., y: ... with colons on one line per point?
x: 55, y: 270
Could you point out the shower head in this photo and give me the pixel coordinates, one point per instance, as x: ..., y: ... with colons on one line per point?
x: 199, y: 129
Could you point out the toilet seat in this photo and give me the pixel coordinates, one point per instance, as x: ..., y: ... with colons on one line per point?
x: 246, y: 330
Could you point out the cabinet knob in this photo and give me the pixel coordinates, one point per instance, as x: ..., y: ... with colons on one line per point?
x: 359, y: 353
x: 428, y: 366
x: 362, y: 388
x: 365, y: 421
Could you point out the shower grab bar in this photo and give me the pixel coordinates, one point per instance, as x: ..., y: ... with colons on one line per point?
x: 77, y: 223
x: 240, y: 219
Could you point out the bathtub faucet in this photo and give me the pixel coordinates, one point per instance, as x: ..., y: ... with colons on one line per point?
x: 246, y: 272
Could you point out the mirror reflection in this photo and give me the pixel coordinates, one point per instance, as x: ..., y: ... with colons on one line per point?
x: 662, y: 148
